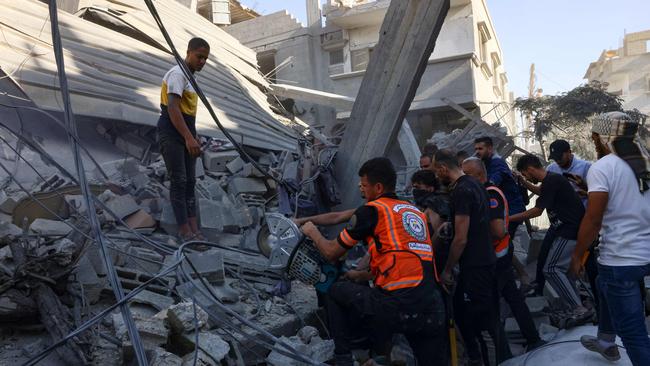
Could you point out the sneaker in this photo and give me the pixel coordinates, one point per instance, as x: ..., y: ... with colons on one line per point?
x: 593, y: 344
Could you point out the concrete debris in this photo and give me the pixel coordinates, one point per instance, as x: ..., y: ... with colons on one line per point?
x: 208, y: 264
x: 9, y: 231
x: 308, y: 343
x: 217, y: 161
x: 211, y: 345
x: 122, y: 206
x: 180, y: 317
x: 47, y: 227
x: 140, y: 219
x: 160, y: 357
x: 155, y: 300
x: 239, y: 185
x: 9, y: 202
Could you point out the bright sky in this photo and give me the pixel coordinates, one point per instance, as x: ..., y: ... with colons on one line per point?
x: 560, y: 36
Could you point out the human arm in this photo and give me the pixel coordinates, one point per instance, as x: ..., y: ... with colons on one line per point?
x: 528, y: 214
x: 536, y: 189
x: 362, y: 271
x: 497, y: 229
x: 461, y: 229
x: 328, y: 248
x: 327, y: 219
x: 174, y: 109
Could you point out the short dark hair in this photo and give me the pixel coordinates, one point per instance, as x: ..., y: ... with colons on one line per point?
x: 380, y: 170
x: 528, y: 160
x: 462, y: 154
x: 426, y: 177
x: 447, y: 158
x: 425, y: 156
x: 484, y: 139
x: 430, y: 149
x: 196, y: 43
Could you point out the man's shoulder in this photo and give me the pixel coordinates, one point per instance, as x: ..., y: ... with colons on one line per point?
x: 553, y: 168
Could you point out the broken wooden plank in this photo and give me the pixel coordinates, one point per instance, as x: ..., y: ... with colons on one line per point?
x: 406, y: 40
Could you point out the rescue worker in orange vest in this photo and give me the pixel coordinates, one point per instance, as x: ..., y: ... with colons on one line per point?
x: 405, y: 297
x: 506, y: 285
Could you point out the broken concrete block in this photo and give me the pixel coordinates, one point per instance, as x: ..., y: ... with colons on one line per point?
x: 208, y: 264
x: 76, y: 203
x: 211, y: 216
x: 307, y: 333
x: 91, y: 284
x: 199, y: 170
x: 144, y: 260
x: 216, y: 161
x: 157, y: 301
x: 47, y: 227
x: 9, y: 231
x: 235, y: 165
x: 140, y: 180
x: 226, y: 293
x: 168, y: 219
x: 537, y: 304
x: 239, y: 185
x: 132, y: 144
x: 118, y: 168
x: 122, y: 206
x: 248, y: 170
x: 180, y: 317
x: 105, y: 353
x: 160, y: 357
x: 9, y: 202
x: 152, y: 331
x: 321, y: 350
x: 277, y: 359
x: 140, y: 219
x: 211, y: 344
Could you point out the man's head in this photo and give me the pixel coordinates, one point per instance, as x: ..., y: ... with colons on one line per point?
x: 377, y: 177
x: 445, y: 165
x: 611, y: 126
x: 531, y: 167
x: 560, y: 151
x: 483, y: 147
x: 425, y: 180
x: 198, y: 51
x: 474, y: 167
x: 461, y: 156
x: 425, y: 161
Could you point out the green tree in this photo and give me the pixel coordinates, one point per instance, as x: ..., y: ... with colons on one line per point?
x: 567, y: 115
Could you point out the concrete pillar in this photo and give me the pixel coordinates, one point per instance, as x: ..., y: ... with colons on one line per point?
x: 313, y: 13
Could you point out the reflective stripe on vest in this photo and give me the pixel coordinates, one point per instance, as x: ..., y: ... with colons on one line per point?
x: 501, y: 246
x: 399, y: 244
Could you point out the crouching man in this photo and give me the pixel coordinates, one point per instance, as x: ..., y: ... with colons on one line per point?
x: 405, y: 297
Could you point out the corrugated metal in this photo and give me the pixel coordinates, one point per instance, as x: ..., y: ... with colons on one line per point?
x: 115, y: 76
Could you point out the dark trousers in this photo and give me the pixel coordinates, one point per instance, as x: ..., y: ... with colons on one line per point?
x: 356, y: 310
x: 549, y: 238
x: 515, y: 299
x: 477, y: 310
x: 181, y: 168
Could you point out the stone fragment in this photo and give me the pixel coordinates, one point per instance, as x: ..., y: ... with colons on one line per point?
x: 76, y: 203
x: 9, y: 230
x: 105, y: 353
x: 47, y: 227
x: 248, y: 170
x: 155, y: 300
x: 202, y: 359
x: 144, y: 259
x: 216, y: 161
x: 235, y: 165
x: 199, y: 170
x: 152, y: 331
x: 140, y: 219
x: 9, y: 202
x: 211, y: 344
x: 239, y: 185
x: 277, y: 359
x: 132, y: 144
x: 160, y: 357
x: 208, y: 264
x: 167, y: 218
x: 180, y: 317
x: 86, y: 275
x: 123, y: 206
x: 307, y: 333
x: 536, y: 304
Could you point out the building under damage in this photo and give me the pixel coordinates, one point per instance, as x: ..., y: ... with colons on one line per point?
x: 227, y: 301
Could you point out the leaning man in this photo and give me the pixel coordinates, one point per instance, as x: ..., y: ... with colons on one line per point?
x: 178, y: 140
x: 405, y: 298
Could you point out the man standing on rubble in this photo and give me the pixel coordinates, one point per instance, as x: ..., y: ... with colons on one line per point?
x: 618, y: 208
x: 475, y: 296
x: 178, y: 140
x: 406, y: 298
x: 506, y: 285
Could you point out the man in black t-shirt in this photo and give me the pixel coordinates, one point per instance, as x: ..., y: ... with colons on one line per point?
x: 475, y: 300
x: 565, y: 211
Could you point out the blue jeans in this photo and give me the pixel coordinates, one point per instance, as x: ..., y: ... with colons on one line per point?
x: 621, y: 309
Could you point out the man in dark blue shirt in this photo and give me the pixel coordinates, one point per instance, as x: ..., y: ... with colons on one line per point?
x: 501, y: 176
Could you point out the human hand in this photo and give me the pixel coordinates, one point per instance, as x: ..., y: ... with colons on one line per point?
x: 356, y: 276
x: 447, y: 279
x: 576, y: 268
x: 309, y: 229
x: 193, y: 146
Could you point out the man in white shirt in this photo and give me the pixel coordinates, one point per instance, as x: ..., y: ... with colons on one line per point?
x: 619, y: 207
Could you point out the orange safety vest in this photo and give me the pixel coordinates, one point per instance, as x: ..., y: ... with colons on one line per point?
x: 501, y: 245
x: 399, y: 244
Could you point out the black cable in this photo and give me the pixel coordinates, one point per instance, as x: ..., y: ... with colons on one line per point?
x: 188, y: 74
x: 71, y: 127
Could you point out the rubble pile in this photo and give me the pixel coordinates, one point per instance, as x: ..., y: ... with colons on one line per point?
x: 463, y: 139
x: 53, y: 277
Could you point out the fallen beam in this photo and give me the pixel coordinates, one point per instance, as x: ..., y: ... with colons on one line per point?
x: 406, y: 40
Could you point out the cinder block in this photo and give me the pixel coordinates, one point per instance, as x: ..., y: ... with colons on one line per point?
x: 216, y: 161
x: 238, y: 185
x: 209, y: 264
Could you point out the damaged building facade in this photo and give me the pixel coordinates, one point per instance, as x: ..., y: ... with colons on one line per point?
x: 331, y: 55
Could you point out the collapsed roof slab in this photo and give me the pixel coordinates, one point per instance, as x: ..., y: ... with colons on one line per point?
x: 114, y: 76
